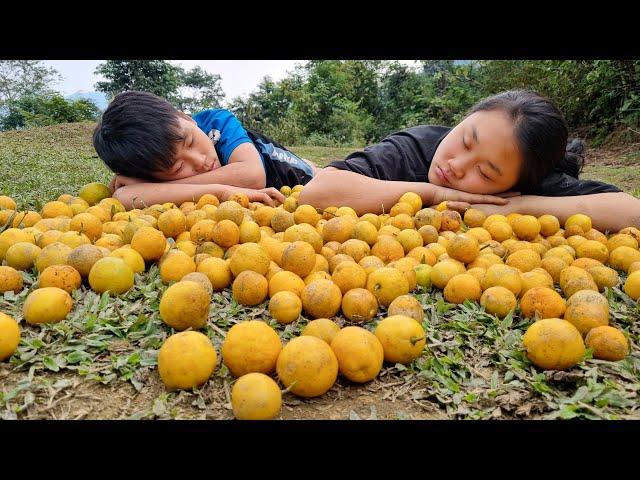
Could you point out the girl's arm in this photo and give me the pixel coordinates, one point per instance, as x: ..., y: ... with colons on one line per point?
x: 244, y: 169
x: 140, y: 195
x: 608, y: 211
x: 334, y: 187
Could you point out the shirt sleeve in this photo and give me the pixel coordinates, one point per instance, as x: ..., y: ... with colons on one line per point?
x: 563, y: 185
x: 232, y: 133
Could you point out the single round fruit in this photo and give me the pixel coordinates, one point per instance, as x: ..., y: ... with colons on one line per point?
x: 111, y: 274
x: 82, y: 258
x: 251, y: 346
x: 322, y: 328
x: 10, y: 279
x: 185, y: 304
x: 285, y: 307
x: 632, y: 285
x: 308, y: 366
x: 462, y: 287
x: 255, y: 396
x: 47, y: 305
x: 321, y: 299
x: 22, y: 255
x: 94, y: 192
x: 61, y: 276
x: 402, y: 338
x: 9, y: 336
x: 359, y: 305
x: 175, y: 265
x: 464, y: 248
x: 498, y: 301
x: 250, y: 288
x: 408, y: 306
x: 359, y: 353
x: 543, y: 302
x: 553, y: 344
x: 607, y: 343
x: 149, y: 242
x: 387, y: 284
x: 186, y: 360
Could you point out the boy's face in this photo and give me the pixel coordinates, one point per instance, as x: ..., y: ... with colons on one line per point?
x: 479, y: 155
x: 195, y: 155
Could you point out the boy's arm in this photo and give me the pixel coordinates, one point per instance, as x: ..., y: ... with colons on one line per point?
x: 334, y: 187
x: 140, y: 195
x: 608, y: 211
x: 244, y: 169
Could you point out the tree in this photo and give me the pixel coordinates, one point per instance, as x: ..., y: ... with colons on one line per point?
x: 40, y: 110
x: 19, y: 78
x: 199, y: 90
x: 155, y: 76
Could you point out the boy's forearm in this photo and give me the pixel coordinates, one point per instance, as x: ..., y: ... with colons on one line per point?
x: 140, y: 195
x: 608, y: 211
x: 238, y: 174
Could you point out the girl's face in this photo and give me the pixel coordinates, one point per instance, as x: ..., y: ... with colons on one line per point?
x: 195, y: 155
x: 479, y: 155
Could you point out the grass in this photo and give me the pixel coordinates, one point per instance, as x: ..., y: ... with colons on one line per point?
x: 101, y: 361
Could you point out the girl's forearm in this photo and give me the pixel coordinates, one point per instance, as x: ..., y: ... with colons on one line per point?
x: 608, y: 211
x: 139, y: 195
x: 363, y: 194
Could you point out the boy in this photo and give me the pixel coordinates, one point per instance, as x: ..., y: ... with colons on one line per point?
x: 160, y: 154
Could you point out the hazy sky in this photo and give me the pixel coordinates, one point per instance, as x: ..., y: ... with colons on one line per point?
x: 239, y: 77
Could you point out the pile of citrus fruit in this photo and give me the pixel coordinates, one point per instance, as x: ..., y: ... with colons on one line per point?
x: 318, y: 265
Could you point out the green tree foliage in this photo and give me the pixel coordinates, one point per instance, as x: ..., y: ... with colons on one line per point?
x: 40, y: 110
x: 19, y: 78
x: 352, y: 102
x: 189, y: 90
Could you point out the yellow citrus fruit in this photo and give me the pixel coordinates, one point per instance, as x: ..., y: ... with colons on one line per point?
x: 622, y: 257
x: 543, y: 302
x: 149, y: 243
x: 285, y: 280
x: 359, y: 305
x: 462, y: 287
x: 585, y: 316
x: 359, y: 353
x: 10, y: 280
x: 549, y: 225
x: 22, y: 255
x: 55, y: 253
x: 463, y: 247
x: 172, y: 222
x: 498, y: 301
x: 499, y: 231
x: 423, y: 275
x: 255, y: 396
x: 401, y: 337
x: 553, y: 344
x: 349, y: 275
x: 9, y: 336
x: 526, y: 227
x: 251, y: 346
x: 308, y: 366
x: 604, y: 276
x: 322, y: 328
x: 321, y: 299
x: 580, y: 220
x: 129, y: 256
x: 250, y: 256
x: 299, y: 257
x: 536, y: 278
x: 94, y: 192
x: 62, y: 276
x: 503, y: 276
x: 632, y: 285
x: 185, y: 304
x: 524, y: 260
x: 250, y: 288
x: 408, y: 306
x: 573, y: 279
x: 553, y: 266
x: 621, y: 239
x: 47, y: 305
x: 186, y: 360
x: 607, y: 343
x: 217, y: 271
x: 593, y: 249
x: 444, y: 271
x: 111, y: 274
x: 200, y: 278
x: 285, y: 307
x: 387, y: 284
x: 175, y: 265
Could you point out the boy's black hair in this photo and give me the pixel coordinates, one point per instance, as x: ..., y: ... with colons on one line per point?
x: 138, y: 134
x: 541, y: 133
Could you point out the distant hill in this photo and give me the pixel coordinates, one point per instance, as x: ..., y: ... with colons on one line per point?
x: 98, y: 98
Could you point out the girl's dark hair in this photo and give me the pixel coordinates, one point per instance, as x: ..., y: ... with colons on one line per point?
x: 138, y: 134
x: 541, y: 134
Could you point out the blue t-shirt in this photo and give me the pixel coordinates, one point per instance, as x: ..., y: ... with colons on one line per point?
x: 281, y: 166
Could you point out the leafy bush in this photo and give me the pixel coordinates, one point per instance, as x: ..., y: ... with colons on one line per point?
x: 41, y: 110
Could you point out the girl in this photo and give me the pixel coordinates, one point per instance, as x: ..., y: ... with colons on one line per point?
x: 513, y: 145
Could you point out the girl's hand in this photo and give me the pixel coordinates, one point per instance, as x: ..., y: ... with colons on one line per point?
x: 451, y: 196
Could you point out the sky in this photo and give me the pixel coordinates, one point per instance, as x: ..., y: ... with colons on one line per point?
x: 239, y: 77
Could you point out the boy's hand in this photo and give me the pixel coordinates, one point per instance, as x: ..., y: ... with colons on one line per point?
x: 122, y: 180
x: 264, y: 195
